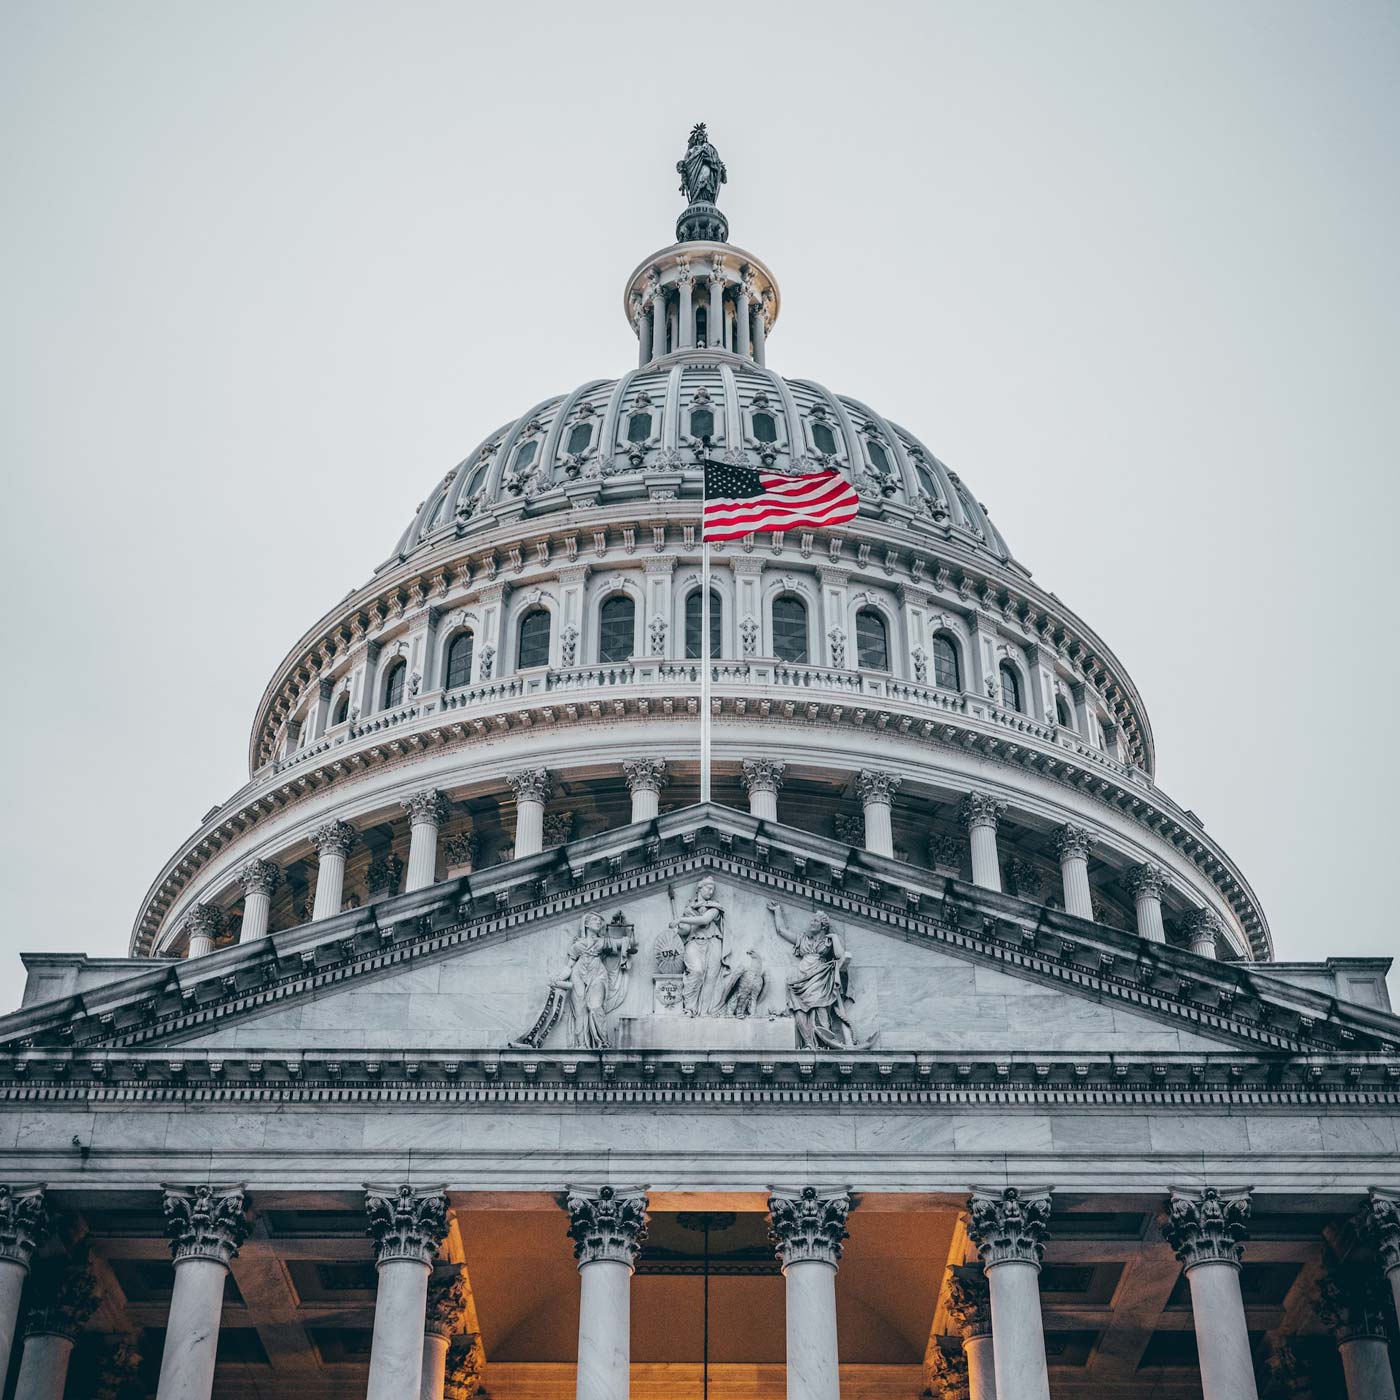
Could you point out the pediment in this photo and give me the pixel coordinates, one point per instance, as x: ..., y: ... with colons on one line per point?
x: 934, y: 968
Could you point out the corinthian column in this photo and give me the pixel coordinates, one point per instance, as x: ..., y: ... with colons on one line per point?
x: 531, y: 788
x: 408, y: 1225
x: 447, y: 1305
x: 204, y: 924
x: 1207, y: 1230
x: 427, y: 810
x: 979, y: 814
x: 1072, y: 848
x: 1148, y: 883
x: 1382, y: 1225
x: 716, y: 317
x: 763, y: 777
x: 970, y: 1306
x: 1204, y: 929
x: 1009, y: 1229
x: 24, y: 1223
x: 877, y: 792
x: 658, y: 322
x: 607, y: 1227
x: 259, y: 879
x: 63, y: 1302
x: 205, y: 1225
x: 808, y: 1230
x: 645, y: 779
x: 1353, y: 1304
x: 685, y: 283
x: 333, y: 842
x: 741, y: 312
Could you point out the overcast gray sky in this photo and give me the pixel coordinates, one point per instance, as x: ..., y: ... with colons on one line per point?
x: 272, y: 268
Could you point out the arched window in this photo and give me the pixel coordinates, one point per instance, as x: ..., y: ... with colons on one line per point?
x: 702, y: 423
x: 823, y: 439
x: 459, y: 660
x: 1062, y: 713
x: 580, y: 435
x: 617, y: 621
x: 639, y: 427
x: 534, y: 639
x: 393, y: 684
x: 764, y: 428
x: 342, y: 710
x: 872, y: 641
x: 1010, y: 687
x: 692, y: 625
x: 790, y: 629
x: 947, y: 674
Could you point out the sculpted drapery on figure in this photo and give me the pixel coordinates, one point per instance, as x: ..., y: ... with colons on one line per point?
x: 701, y: 170
x: 594, y: 989
x: 701, y: 928
x: 818, y: 989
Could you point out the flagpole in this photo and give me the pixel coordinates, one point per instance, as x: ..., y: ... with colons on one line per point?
x: 704, y: 668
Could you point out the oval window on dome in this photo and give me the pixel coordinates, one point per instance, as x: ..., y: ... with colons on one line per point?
x: 702, y: 423
x: 764, y: 428
x: 580, y: 435
x: 823, y: 439
x: 639, y: 427
x: 879, y: 458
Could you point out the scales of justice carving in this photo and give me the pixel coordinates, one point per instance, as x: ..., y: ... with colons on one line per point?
x: 696, y: 977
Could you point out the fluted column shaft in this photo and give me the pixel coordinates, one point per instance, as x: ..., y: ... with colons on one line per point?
x: 686, y: 339
x: 658, y: 325
x: 1207, y: 1231
x: 763, y: 777
x: 1072, y: 847
x: 427, y: 810
x: 259, y: 879
x: 206, y: 1226
x: 24, y: 1223
x: 644, y: 336
x: 808, y: 1229
x: 1204, y: 930
x: 759, y: 331
x: 716, y: 319
x: 645, y: 779
x: 532, y: 789
x: 980, y: 814
x: 877, y: 792
x: 1009, y: 1228
x: 741, y: 321
x: 607, y: 1226
x: 332, y: 842
x: 1148, y: 883
x: 205, y: 922
x: 408, y: 1225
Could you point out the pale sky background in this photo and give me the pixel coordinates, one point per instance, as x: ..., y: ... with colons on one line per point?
x: 270, y: 270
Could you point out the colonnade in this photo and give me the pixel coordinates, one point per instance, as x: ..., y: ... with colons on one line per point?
x: 980, y: 814
x: 664, y: 317
x: 420, y: 1308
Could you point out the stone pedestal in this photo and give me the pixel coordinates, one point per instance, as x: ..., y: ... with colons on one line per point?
x: 980, y: 814
x: 808, y: 1229
x: 607, y: 1226
x: 427, y: 810
x: 333, y: 842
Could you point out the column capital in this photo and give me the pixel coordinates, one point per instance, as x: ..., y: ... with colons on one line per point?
x: 809, y: 1225
x: 206, y: 1222
x: 609, y: 1223
x: 205, y: 921
x: 876, y: 786
x: 61, y: 1301
x: 447, y: 1300
x: 464, y: 1368
x: 945, y: 1373
x: 1381, y: 1224
x: 763, y: 774
x: 531, y: 784
x: 462, y: 849
x: 978, y: 809
x: 259, y: 877
x: 1072, y: 841
x: 1146, y: 881
x: 406, y: 1222
x: 24, y: 1223
x: 1352, y: 1302
x: 1009, y: 1226
x: 1284, y: 1375
x: 1202, y: 924
x: 334, y: 837
x: 1207, y: 1226
x: 645, y: 774
x: 970, y: 1300
x: 118, y: 1369
x: 426, y: 808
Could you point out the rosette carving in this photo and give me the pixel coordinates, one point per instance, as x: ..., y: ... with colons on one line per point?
x: 607, y: 1224
x: 406, y: 1223
x: 1206, y: 1227
x: 810, y: 1226
x: 1009, y: 1226
x: 206, y: 1222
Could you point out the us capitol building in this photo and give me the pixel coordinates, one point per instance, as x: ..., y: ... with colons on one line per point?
x: 465, y: 1050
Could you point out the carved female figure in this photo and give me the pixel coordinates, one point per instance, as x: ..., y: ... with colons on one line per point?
x: 593, y: 990
x: 818, y: 991
x: 701, y: 928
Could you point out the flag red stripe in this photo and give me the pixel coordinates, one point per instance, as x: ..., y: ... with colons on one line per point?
x: 820, y: 498
x: 725, y: 509
x: 836, y: 513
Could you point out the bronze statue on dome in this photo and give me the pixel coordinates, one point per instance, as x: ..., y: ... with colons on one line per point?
x: 701, y: 170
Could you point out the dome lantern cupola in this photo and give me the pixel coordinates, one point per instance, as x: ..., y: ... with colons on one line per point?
x: 702, y: 293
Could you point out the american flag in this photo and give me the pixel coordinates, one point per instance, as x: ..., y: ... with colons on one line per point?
x: 741, y: 501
